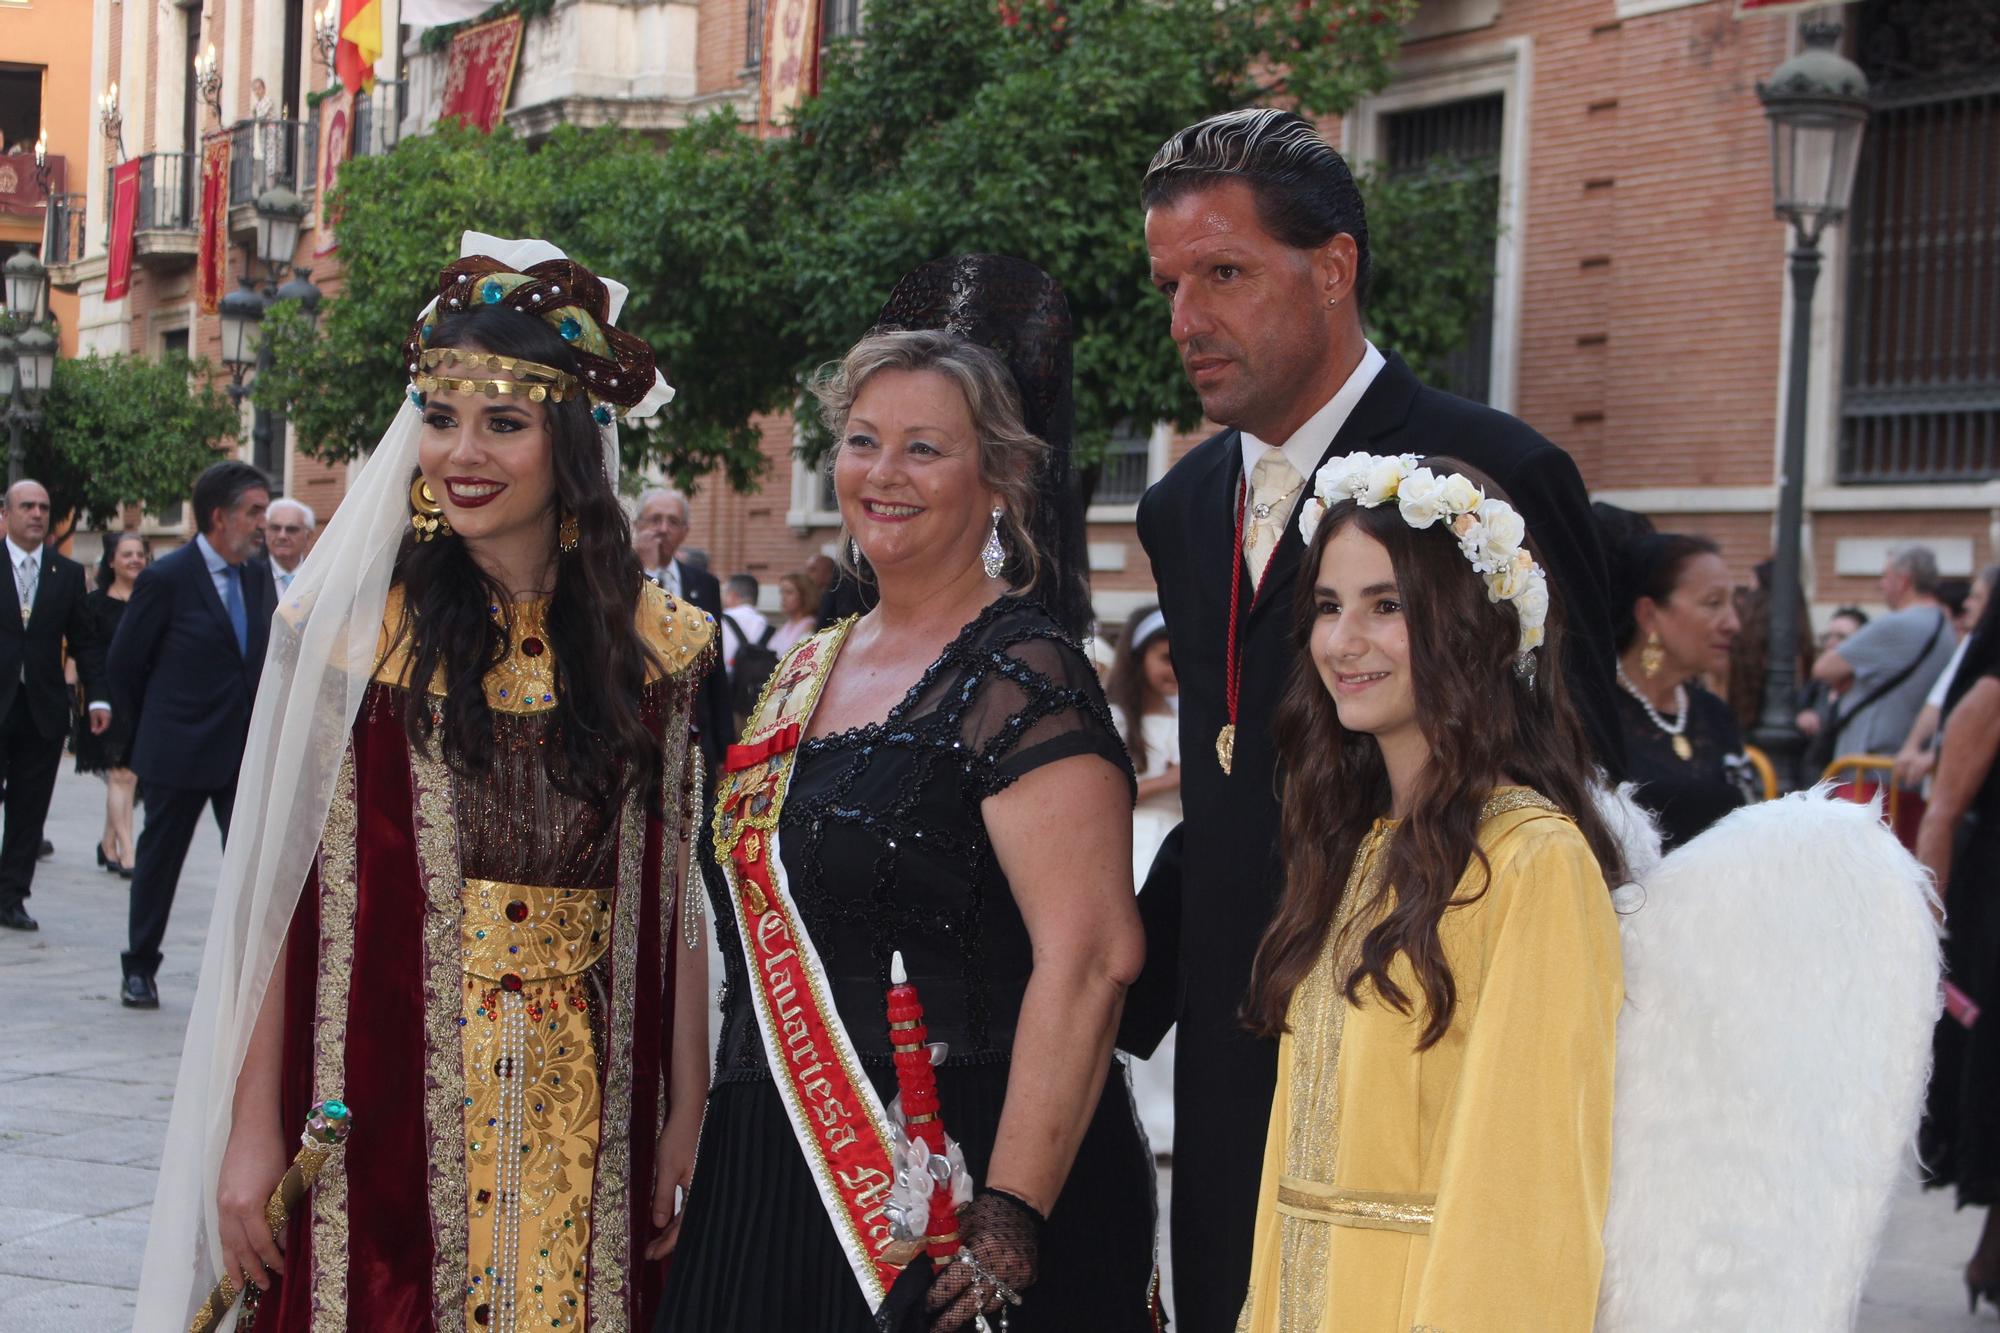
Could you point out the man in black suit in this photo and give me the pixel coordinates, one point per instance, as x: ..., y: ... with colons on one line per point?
x: 34, y: 701
x: 1257, y: 238
x: 186, y: 659
x: 663, y: 514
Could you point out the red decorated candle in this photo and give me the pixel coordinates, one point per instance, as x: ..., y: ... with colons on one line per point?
x: 916, y: 1080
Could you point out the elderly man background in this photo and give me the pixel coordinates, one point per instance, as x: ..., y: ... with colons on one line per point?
x: 662, y: 525
x: 289, y: 526
x: 1886, y: 668
x: 34, y: 699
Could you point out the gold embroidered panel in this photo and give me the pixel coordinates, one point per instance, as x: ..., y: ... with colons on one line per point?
x: 338, y: 902
x: 444, y: 1083
x: 611, y: 1249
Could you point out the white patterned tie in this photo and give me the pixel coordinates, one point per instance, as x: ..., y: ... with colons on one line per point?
x: 1273, y: 482
x: 24, y: 584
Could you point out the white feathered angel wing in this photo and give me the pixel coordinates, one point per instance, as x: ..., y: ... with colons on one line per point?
x: 1781, y: 981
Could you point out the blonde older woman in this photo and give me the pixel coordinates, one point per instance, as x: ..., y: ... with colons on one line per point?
x: 959, y: 796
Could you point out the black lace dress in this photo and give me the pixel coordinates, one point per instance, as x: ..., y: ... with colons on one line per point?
x: 885, y: 850
x: 1687, y: 795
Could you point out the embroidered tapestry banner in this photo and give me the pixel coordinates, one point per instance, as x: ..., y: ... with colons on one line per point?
x: 336, y: 133
x: 124, y: 219
x: 212, y: 259
x: 791, y: 61
x: 19, y: 191
x: 479, y: 72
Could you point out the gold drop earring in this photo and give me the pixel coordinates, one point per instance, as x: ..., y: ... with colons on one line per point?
x: 1652, y: 657
x: 426, y: 513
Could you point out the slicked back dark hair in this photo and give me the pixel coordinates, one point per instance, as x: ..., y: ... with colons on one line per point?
x: 220, y: 486
x: 1305, y: 193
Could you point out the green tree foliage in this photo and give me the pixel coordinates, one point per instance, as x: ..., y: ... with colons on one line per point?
x: 687, y: 228
x: 956, y: 125
x: 121, y: 429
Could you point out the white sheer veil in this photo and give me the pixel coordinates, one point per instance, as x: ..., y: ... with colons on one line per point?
x: 321, y: 657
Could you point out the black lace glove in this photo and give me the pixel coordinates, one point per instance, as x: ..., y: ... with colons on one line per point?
x: 1000, y: 1246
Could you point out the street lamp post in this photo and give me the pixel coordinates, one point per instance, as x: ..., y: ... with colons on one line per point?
x: 28, y: 359
x: 1817, y: 103
x: 241, y: 312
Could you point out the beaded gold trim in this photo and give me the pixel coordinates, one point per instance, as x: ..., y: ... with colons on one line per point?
x: 444, y: 1052
x: 338, y: 901
x: 529, y: 379
x: 688, y: 889
x: 1369, y: 1209
x: 1318, y: 1017
x: 611, y: 1212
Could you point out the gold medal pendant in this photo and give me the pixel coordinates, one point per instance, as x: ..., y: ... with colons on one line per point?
x: 1225, y: 747
x: 1684, y: 748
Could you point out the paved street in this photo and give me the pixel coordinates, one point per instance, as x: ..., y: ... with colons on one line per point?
x: 84, y: 1089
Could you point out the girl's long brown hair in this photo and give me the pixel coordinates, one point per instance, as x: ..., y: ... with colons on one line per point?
x: 1486, y: 724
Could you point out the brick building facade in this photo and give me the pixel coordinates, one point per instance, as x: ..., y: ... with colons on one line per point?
x: 1638, y: 313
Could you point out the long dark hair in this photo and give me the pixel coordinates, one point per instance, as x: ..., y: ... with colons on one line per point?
x: 600, y: 660
x: 1484, y: 723
x: 106, y: 574
x: 1126, y: 686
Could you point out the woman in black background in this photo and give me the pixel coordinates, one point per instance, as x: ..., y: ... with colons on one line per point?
x: 1675, y: 616
x: 1959, y: 843
x: 125, y: 554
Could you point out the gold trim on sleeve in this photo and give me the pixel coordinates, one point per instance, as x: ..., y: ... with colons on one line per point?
x: 1377, y: 1210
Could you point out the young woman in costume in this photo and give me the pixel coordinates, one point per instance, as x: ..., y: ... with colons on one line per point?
x: 1443, y: 969
x: 449, y: 900
x: 938, y: 778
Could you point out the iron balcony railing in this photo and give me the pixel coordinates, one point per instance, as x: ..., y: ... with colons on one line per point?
x: 166, y: 192
x: 66, y: 228
x: 378, y: 118
x: 264, y: 154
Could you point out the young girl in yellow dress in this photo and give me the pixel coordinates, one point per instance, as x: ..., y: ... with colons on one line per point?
x: 1443, y: 969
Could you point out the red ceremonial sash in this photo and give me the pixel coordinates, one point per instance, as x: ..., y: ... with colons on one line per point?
x: 836, y: 1117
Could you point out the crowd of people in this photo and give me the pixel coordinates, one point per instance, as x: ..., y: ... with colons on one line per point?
x: 1312, y: 883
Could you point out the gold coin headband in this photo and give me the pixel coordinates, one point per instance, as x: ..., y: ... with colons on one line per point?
x: 617, y: 368
x: 531, y: 379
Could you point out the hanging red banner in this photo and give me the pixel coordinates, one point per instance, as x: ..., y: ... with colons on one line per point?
x: 479, y: 72
x: 212, y: 256
x: 124, y: 220
x: 791, y: 61
x: 336, y: 127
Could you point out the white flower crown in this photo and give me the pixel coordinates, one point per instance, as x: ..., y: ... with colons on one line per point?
x: 1489, y: 532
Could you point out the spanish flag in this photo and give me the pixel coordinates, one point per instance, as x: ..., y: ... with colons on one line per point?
x: 360, y: 43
